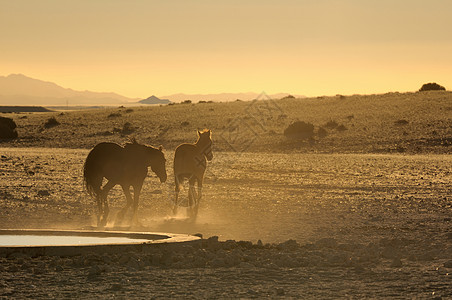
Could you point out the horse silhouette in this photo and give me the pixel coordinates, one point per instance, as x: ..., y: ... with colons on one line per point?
x: 190, y: 163
x: 126, y: 166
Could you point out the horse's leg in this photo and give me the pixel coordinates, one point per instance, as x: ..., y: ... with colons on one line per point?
x: 177, y: 190
x: 104, y: 202
x: 136, y: 196
x: 192, y: 197
x: 199, y: 197
x: 99, y: 208
x: 129, y: 202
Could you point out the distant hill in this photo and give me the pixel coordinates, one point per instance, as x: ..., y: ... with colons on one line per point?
x: 225, y: 97
x: 18, y: 89
x: 154, y: 100
x: 7, y: 109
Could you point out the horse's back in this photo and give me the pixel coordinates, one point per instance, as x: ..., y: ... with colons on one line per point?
x: 187, y: 160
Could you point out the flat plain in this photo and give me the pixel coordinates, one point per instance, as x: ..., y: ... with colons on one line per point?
x: 363, y: 212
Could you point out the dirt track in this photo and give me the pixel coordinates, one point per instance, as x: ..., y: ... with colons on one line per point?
x: 365, y: 226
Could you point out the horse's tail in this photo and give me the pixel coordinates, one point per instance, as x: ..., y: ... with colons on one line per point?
x: 89, y: 175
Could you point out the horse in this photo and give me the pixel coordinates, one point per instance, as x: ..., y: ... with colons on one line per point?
x: 124, y: 165
x: 190, y: 162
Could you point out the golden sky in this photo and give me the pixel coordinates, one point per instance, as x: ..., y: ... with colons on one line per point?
x: 308, y: 47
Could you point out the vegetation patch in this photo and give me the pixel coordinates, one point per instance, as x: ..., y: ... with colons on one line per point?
x: 299, y: 130
x: 432, y: 86
x: 51, y: 122
x: 7, y: 128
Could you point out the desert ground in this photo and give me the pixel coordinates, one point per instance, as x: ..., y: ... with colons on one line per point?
x: 361, y: 212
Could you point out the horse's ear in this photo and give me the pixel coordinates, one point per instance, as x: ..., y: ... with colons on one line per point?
x: 210, y: 132
x: 161, y: 148
x: 199, y: 132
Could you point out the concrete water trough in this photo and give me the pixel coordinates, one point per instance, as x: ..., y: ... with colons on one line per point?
x: 39, y: 242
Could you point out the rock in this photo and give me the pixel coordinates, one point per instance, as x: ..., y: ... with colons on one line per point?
x: 217, y: 263
x: 43, y: 193
x: 124, y: 259
x: 280, y: 292
x: 288, y: 245
x: 229, y: 245
x: 442, y: 271
x: 396, y: 263
x: 94, y: 271
x: 211, y: 243
x: 116, y: 287
x: 58, y: 268
x: 245, y: 244
x: 448, y: 264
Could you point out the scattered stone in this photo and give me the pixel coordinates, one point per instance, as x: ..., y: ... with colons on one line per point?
x: 58, y: 268
x: 288, y: 245
x: 396, y: 263
x: 448, y: 264
x: 43, y: 193
x: 116, y: 287
x: 94, y: 271
x: 280, y: 292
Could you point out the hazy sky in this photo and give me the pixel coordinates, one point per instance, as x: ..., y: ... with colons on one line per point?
x: 308, y: 47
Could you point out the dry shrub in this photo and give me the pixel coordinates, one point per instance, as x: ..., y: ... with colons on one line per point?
x: 401, y: 122
x: 331, y: 124
x: 186, y: 102
x: 341, y: 128
x: 432, y: 86
x: 184, y: 123
x: 114, y: 115
x: 321, y: 132
x: 127, y: 128
x: 299, y: 130
x: 51, y: 122
x: 7, y: 128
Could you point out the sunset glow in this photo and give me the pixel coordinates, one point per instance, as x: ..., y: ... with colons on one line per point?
x: 140, y: 48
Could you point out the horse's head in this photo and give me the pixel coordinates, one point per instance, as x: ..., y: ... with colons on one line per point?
x: 205, y: 142
x: 158, y: 163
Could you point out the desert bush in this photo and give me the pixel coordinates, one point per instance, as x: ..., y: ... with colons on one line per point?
x: 341, y: 128
x: 331, y: 124
x: 129, y: 110
x: 51, y: 122
x: 202, y: 101
x: 184, y: 123
x: 186, y: 102
x: 114, y: 115
x: 401, y: 122
x: 432, y: 86
x: 7, y: 128
x: 321, y: 132
x: 299, y: 130
x: 127, y: 128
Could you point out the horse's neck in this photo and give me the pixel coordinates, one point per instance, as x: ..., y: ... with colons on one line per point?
x: 200, y: 148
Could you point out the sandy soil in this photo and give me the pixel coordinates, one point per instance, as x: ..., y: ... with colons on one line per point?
x: 330, y: 226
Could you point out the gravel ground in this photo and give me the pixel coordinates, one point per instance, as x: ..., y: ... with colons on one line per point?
x: 275, y: 225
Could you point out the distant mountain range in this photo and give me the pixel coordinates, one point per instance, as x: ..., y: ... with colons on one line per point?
x: 20, y: 90
x: 225, y: 97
